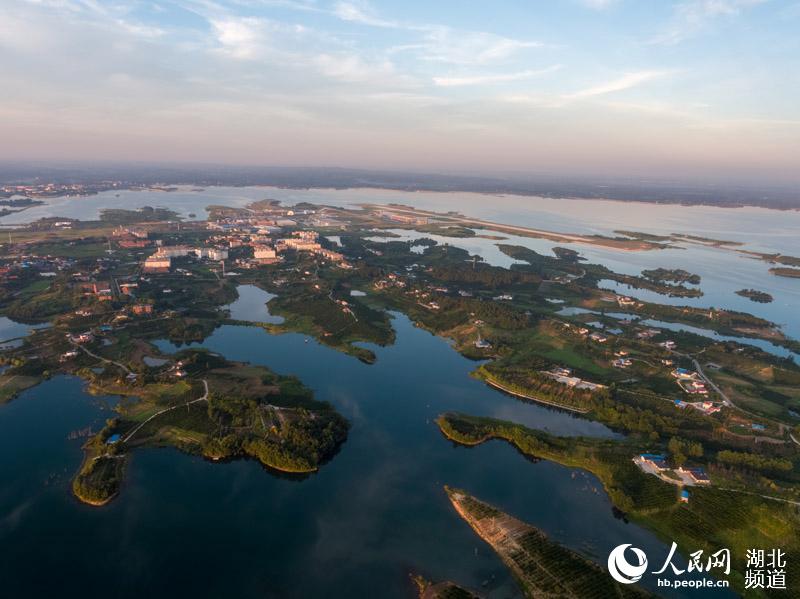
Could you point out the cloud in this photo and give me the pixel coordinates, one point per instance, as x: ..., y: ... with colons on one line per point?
x: 598, y: 4
x: 239, y: 37
x: 493, y: 78
x: 361, y: 13
x: 692, y: 16
x: 446, y: 45
x: 627, y: 81
x: 438, y: 43
x: 351, y: 68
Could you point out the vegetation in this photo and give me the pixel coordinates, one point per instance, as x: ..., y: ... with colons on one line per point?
x: 121, y: 216
x: 440, y: 590
x: 248, y: 412
x: 592, y: 273
x: 671, y: 275
x: 507, y: 318
x: 713, y: 518
x: 539, y: 386
x: 12, y: 385
x: 754, y: 461
x: 756, y: 296
x: 100, y: 476
x: 542, y: 567
x: 793, y: 273
x: 567, y: 254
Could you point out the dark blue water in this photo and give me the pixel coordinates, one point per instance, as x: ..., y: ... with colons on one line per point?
x: 11, y: 331
x: 185, y: 527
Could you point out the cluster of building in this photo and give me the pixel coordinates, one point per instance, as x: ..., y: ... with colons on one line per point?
x: 646, y: 334
x: 578, y: 330
x: 657, y: 464
x: 101, y: 291
x: 307, y: 241
x: 628, y: 302
x: 264, y: 250
x: 131, y: 237
x: 161, y: 260
x: 566, y: 377
x: 81, y: 338
x: 46, y: 266
x: 598, y: 337
x: 50, y: 190
x: 621, y: 359
x: 693, y: 384
x: 707, y: 407
x: 690, y: 381
x: 395, y: 280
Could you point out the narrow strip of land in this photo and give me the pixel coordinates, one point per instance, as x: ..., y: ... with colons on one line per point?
x: 496, y: 385
x: 620, y: 244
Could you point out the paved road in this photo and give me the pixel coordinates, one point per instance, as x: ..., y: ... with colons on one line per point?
x: 729, y: 403
x: 726, y: 400
x: 101, y: 358
x: 204, y: 397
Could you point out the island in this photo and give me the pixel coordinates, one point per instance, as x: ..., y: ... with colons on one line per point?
x: 238, y: 411
x: 14, y: 205
x: 671, y: 275
x: 792, y: 273
x: 120, y: 298
x: 728, y: 515
x: 754, y: 295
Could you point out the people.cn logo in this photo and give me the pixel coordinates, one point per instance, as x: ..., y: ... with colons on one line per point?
x: 621, y: 569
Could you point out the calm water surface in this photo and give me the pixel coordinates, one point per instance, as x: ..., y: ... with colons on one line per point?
x: 187, y: 527
x: 723, y: 271
x: 251, y: 305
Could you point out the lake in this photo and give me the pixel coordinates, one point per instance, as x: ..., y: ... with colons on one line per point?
x: 183, y: 526
x: 251, y: 305
x: 723, y: 271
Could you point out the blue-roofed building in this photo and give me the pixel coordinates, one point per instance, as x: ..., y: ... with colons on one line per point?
x: 115, y: 438
x: 683, y: 374
x: 684, y: 496
x: 697, y: 475
x: 655, y: 460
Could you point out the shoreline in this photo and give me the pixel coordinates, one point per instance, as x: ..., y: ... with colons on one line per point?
x: 496, y: 193
x: 536, y: 399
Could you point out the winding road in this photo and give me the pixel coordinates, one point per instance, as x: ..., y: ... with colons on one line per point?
x: 101, y: 358
x: 204, y: 397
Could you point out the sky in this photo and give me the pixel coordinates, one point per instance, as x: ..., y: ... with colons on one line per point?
x: 629, y: 88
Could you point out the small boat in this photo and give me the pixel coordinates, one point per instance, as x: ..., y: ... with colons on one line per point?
x: 306, y: 340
